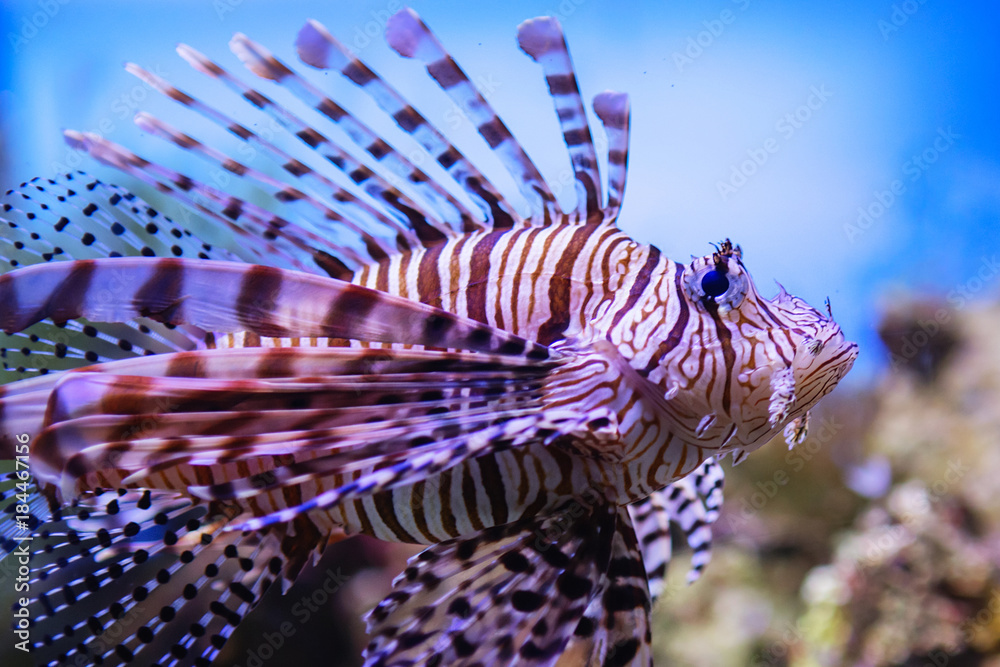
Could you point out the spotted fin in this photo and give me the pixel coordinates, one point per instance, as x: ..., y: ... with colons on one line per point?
x: 513, y: 594
x: 189, y: 584
x: 78, y: 216
x: 615, y: 629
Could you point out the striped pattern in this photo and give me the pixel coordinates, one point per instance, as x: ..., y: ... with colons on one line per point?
x: 525, y: 389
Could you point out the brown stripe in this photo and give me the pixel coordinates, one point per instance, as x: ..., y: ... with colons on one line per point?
x: 161, y: 295
x: 310, y: 137
x: 186, y: 364
x: 449, y: 157
x: 67, y: 298
x: 447, y: 511
x: 560, y: 286
x: 358, y: 72
x: 479, y: 274
x: 256, y: 99
x: 366, y: 524
x: 640, y: 284
x: 382, y: 276
x: 353, y: 303
x: 577, y: 137
x: 331, y: 109
x: 408, y: 119
x: 240, y: 131
x: 494, y: 132
x: 562, y: 84
x: 516, y: 290
x: 728, y: 354
x: 418, y: 506
x: 385, y: 505
x: 446, y: 72
x: 277, y: 362
x: 259, y: 294
x: 469, y: 498
x: 428, y: 280
x: 677, y: 331
x: 617, y: 157
x: 496, y: 490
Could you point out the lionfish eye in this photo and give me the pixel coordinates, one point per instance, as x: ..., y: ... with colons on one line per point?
x: 714, y: 283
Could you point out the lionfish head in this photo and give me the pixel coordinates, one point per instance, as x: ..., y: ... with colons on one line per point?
x: 778, y: 356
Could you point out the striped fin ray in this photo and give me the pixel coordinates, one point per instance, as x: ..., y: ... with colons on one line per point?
x: 410, y: 465
x: 23, y: 405
x: 189, y: 583
x: 406, y: 239
x: 411, y: 38
x: 613, y: 110
x: 225, y: 296
x: 320, y: 49
x: 272, y: 239
x: 651, y: 518
x: 426, y: 224
x: 542, y: 39
x: 692, y: 504
x: 510, y: 594
x: 376, y: 248
x: 262, y: 63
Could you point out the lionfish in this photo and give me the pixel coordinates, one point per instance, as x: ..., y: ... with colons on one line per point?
x: 532, y: 394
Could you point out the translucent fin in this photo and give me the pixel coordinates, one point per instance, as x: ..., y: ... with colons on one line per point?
x: 615, y: 629
x: 271, y: 238
x: 692, y: 504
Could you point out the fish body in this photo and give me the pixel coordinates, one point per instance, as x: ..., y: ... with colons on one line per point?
x: 531, y: 393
